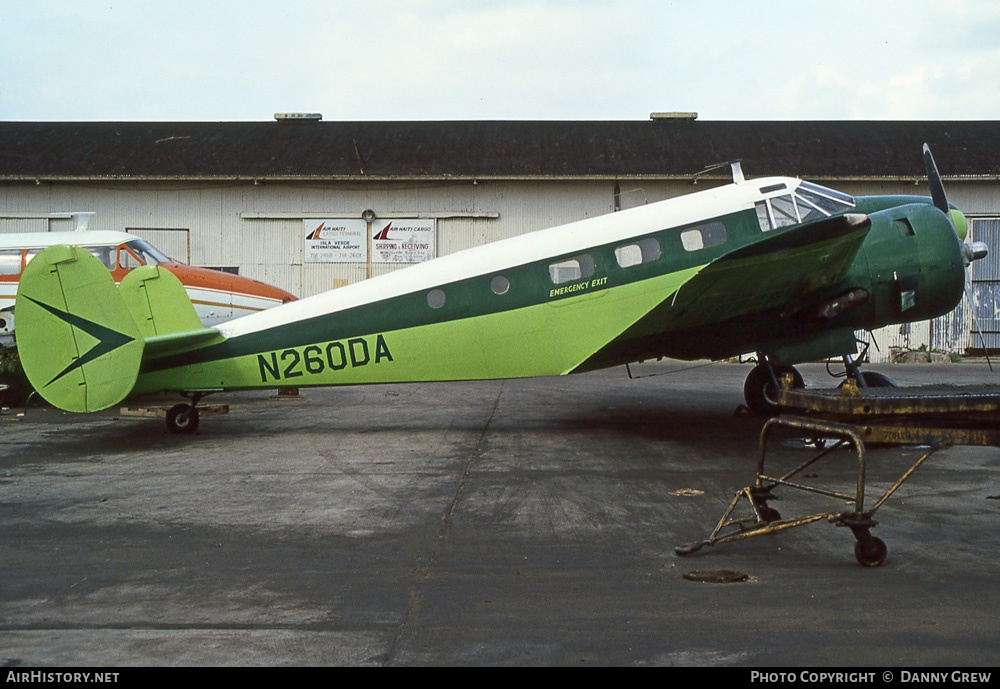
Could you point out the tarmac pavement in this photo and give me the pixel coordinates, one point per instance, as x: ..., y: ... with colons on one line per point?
x: 525, y: 522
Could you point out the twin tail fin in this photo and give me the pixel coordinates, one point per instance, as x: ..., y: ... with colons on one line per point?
x: 81, y: 338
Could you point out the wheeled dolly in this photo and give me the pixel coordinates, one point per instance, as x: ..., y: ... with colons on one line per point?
x: 761, y: 518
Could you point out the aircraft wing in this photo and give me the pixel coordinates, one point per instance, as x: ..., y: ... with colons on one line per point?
x: 741, y: 291
x: 791, y: 268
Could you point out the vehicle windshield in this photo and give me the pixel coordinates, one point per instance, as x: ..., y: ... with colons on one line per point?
x: 826, y: 201
x: 807, y: 203
x: 149, y: 254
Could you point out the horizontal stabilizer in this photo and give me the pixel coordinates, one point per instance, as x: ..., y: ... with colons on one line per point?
x: 177, y: 343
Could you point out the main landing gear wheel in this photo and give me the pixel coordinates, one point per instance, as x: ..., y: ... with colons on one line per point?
x: 182, y: 418
x: 870, y: 551
x: 874, y: 379
x: 759, y: 390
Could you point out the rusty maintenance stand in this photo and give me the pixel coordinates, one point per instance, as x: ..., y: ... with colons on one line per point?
x: 849, y: 417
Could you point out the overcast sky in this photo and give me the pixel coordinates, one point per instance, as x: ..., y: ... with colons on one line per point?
x: 241, y: 60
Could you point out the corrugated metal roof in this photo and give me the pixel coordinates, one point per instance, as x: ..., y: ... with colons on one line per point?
x: 492, y: 149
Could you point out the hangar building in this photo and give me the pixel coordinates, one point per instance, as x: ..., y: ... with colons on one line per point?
x: 252, y: 197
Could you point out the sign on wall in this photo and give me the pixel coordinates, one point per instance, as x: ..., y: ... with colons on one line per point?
x: 402, y: 241
x: 336, y: 241
x: 344, y: 240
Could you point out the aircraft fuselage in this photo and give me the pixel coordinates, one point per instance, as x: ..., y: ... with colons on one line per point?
x: 745, y: 267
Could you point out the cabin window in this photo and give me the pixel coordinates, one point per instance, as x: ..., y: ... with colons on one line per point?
x: 499, y: 284
x: 10, y: 261
x: 105, y: 254
x: 709, y: 234
x: 642, y: 251
x: 570, y: 269
x: 435, y: 298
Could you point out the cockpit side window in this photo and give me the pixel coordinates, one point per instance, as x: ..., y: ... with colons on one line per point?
x: 126, y: 259
x: 784, y: 212
x: 778, y: 212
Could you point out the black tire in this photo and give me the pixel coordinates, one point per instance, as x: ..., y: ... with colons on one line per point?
x: 182, y: 418
x: 870, y: 551
x: 874, y: 379
x: 768, y: 514
x: 759, y: 391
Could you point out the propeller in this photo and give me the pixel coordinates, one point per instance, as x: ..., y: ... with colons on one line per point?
x: 971, y: 251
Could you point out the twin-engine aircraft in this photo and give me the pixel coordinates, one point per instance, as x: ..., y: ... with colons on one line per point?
x: 777, y: 266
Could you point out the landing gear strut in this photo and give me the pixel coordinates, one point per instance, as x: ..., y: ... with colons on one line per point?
x: 183, y: 418
x: 866, y: 379
x: 762, y: 385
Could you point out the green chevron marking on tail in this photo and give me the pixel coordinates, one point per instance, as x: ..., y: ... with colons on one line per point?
x: 77, y: 340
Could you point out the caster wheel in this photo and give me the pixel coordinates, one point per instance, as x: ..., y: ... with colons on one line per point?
x: 182, y: 418
x: 768, y: 514
x: 870, y: 551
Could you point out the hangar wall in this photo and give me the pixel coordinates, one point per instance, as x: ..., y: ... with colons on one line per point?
x: 257, y: 229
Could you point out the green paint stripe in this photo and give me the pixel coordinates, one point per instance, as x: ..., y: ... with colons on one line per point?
x: 530, y: 285
x: 539, y: 340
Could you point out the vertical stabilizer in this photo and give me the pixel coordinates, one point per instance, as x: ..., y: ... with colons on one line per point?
x: 158, y: 302
x: 78, y: 343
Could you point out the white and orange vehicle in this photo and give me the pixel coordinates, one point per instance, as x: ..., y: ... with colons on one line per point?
x: 217, y: 296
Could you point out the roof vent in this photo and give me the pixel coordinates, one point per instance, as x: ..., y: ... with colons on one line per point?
x: 298, y: 116
x: 673, y: 115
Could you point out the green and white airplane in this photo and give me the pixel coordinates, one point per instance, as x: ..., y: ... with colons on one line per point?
x: 777, y: 266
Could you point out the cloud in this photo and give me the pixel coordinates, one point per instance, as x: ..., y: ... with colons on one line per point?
x: 543, y: 59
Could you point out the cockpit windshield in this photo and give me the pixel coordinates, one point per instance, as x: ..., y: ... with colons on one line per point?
x: 827, y: 201
x: 807, y: 203
x: 149, y: 254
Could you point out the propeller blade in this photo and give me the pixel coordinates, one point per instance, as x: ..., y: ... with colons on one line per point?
x: 934, y: 182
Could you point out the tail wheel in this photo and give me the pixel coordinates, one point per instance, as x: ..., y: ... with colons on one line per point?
x: 182, y: 418
x: 760, y: 392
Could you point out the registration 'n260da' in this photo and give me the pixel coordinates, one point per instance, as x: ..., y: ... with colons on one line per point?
x: 315, y: 359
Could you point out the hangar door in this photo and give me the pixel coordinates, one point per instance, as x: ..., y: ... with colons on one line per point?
x: 986, y: 284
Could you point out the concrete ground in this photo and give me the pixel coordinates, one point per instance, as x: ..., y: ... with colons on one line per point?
x: 500, y: 523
